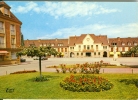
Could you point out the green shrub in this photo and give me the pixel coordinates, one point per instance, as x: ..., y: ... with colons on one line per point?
x: 129, y: 81
x: 86, y: 83
x: 39, y: 79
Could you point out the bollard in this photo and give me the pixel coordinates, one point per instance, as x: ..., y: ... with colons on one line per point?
x: 103, y: 70
x: 132, y: 71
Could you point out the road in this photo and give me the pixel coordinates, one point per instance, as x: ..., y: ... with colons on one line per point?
x: 31, y: 64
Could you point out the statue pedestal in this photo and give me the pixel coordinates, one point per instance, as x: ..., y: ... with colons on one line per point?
x: 117, y: 63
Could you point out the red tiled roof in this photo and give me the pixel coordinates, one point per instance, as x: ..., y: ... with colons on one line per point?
x: 127, y: 40
x: 48, y: 41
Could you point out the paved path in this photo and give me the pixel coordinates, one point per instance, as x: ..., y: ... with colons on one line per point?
x: 31, y: 64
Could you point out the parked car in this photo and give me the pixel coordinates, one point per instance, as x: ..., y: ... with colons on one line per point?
x: 22, y: 60
x: 42, y: 58
x: 36, y: 58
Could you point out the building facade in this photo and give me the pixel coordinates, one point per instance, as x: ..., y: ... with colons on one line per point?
x: 123, y: 44
x: 10, y: 35
x: 87, y: 45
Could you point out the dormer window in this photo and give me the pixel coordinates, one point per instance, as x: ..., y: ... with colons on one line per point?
x: 6, y: 11
x: 113, y: 43
x: 135, y: 44
x: 52, y: 44
x: 60, y: 44
x: 129, y: 43
x: 123, y: 43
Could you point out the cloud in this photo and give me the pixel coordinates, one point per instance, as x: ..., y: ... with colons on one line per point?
x: 127, y: 30
x: 24, y: 9
x: 65, y: 9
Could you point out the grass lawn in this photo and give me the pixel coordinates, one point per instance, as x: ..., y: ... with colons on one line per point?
x: 51, y: 89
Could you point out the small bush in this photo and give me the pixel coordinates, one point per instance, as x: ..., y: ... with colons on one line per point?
x: 86, y: 83
x: 39, y: 79
x: 129, y: 81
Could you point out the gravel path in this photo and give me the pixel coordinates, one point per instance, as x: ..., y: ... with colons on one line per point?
x: 31, y: 64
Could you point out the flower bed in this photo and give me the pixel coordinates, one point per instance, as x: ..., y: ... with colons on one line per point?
x: 25, y: 71
x: 86, y: 83
x: 86, y: 68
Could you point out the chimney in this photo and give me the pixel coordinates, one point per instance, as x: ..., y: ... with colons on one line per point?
x: 56, y: 39
x: 39, y: 40
x: 118, y: 38
x: 75, y: 36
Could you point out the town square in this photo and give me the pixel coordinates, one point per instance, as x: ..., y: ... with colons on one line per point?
x: 68, y: 50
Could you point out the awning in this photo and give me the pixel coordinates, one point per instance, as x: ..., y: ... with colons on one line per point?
x: 123, y: 52
x: 3, y: 52
x: 112, y: 53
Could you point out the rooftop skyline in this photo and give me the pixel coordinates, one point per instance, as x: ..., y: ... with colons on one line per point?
x: 50, y: 19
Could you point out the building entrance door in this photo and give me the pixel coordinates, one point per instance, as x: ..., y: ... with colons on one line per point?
x: 88, y: 54
x: 1, y: 58
x: 71, y: 54
x: 104, y: 54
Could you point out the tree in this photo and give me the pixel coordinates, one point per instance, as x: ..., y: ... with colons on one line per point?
x: 133, y: 51
x: 37, y: 51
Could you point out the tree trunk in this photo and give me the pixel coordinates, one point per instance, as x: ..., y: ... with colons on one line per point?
x: 40, y: 66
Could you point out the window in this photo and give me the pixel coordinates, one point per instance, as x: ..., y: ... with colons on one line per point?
x: 13, y: 41
x: 79, y: 47
x: 6, y: 11
x: 77, y: 54
x: 88, y: 47
x: 104, y: 47
x: 12, y: 28
x: 98, y: 53
x: 94, y: 53
x: 113, y: 43
x: 96, y: 47
x: 61, y: 49
x: 112, y: 49
x: 129, y: 43
x: 13, y: 56
x: 123, y: 43
x: 1, y: 42
x: 91, y: 46
x: 58, y: 49
x: 123, y: 49
x: 84, y: 46
x: 82, y: 54
x: 135, y: 43
x: 65, y: 49
x: 1, y: 26
x: 60, y: 44
x: 52, y: 44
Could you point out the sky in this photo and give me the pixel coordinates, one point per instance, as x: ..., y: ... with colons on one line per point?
x: 61, y: 19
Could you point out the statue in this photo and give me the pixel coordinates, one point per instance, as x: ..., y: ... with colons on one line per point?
x: 115, y: 54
